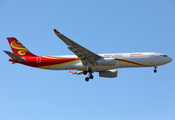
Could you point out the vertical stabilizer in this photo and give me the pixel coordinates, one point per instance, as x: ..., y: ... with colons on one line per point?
x: 17, y: 48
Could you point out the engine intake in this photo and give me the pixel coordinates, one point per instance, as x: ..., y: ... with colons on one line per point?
x: 108, y: 73
x: 106, y: 61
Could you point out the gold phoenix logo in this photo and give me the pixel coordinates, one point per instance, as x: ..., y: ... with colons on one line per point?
x: 17, y: 45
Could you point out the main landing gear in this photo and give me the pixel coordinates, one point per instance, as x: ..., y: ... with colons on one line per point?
x: 155, y: 69
x: 90, y: 76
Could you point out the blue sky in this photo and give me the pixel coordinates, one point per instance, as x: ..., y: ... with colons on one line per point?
x: 102, y: 26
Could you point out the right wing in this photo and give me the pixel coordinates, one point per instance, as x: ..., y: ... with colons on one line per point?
x: 84, y: 54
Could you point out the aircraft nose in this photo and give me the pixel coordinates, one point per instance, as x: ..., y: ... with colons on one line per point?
x: 169, y: 59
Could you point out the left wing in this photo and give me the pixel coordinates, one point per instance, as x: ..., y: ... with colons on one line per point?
x: 84, y: 54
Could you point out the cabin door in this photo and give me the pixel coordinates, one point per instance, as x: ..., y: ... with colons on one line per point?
x: 38, y: 60
x: 156, y: 56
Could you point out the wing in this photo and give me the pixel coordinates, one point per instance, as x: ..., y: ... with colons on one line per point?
x: 84, y: 54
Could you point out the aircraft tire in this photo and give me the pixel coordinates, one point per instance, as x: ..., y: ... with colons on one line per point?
x: 87, y: 79
x: 85, y: 72
x: 155, y: 71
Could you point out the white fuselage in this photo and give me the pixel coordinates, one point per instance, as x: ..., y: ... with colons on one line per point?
x: 123, y: 60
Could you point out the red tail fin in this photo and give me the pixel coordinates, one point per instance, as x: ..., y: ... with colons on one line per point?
x: 17, y: 48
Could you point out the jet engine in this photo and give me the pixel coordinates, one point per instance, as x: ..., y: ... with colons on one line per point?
x: 106, y: 61
x: 108, y: 73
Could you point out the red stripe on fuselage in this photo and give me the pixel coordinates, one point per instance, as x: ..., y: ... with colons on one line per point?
x: 45, y: 61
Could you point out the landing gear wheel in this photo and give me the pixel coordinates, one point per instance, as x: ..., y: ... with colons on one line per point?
x: 91, y: 76
x: 85, y: 72
x: 155, y: 71
x: 86, y: 79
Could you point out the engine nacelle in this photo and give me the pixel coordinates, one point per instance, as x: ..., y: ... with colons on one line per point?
x: 108, y: 73
x: 106, y: 61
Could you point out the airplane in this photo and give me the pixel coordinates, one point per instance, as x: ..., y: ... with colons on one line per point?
x: 84, y: 60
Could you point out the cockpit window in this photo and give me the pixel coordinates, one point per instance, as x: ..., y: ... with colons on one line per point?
x: 164, y: 55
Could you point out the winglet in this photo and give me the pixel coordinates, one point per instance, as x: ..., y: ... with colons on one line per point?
x: 56, y: 31
x: 71, y: 72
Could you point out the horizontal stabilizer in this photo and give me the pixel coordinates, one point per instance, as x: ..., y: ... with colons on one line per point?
x: 15, y: 57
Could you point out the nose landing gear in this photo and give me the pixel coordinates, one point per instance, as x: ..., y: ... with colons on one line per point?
x: 155, y: 69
